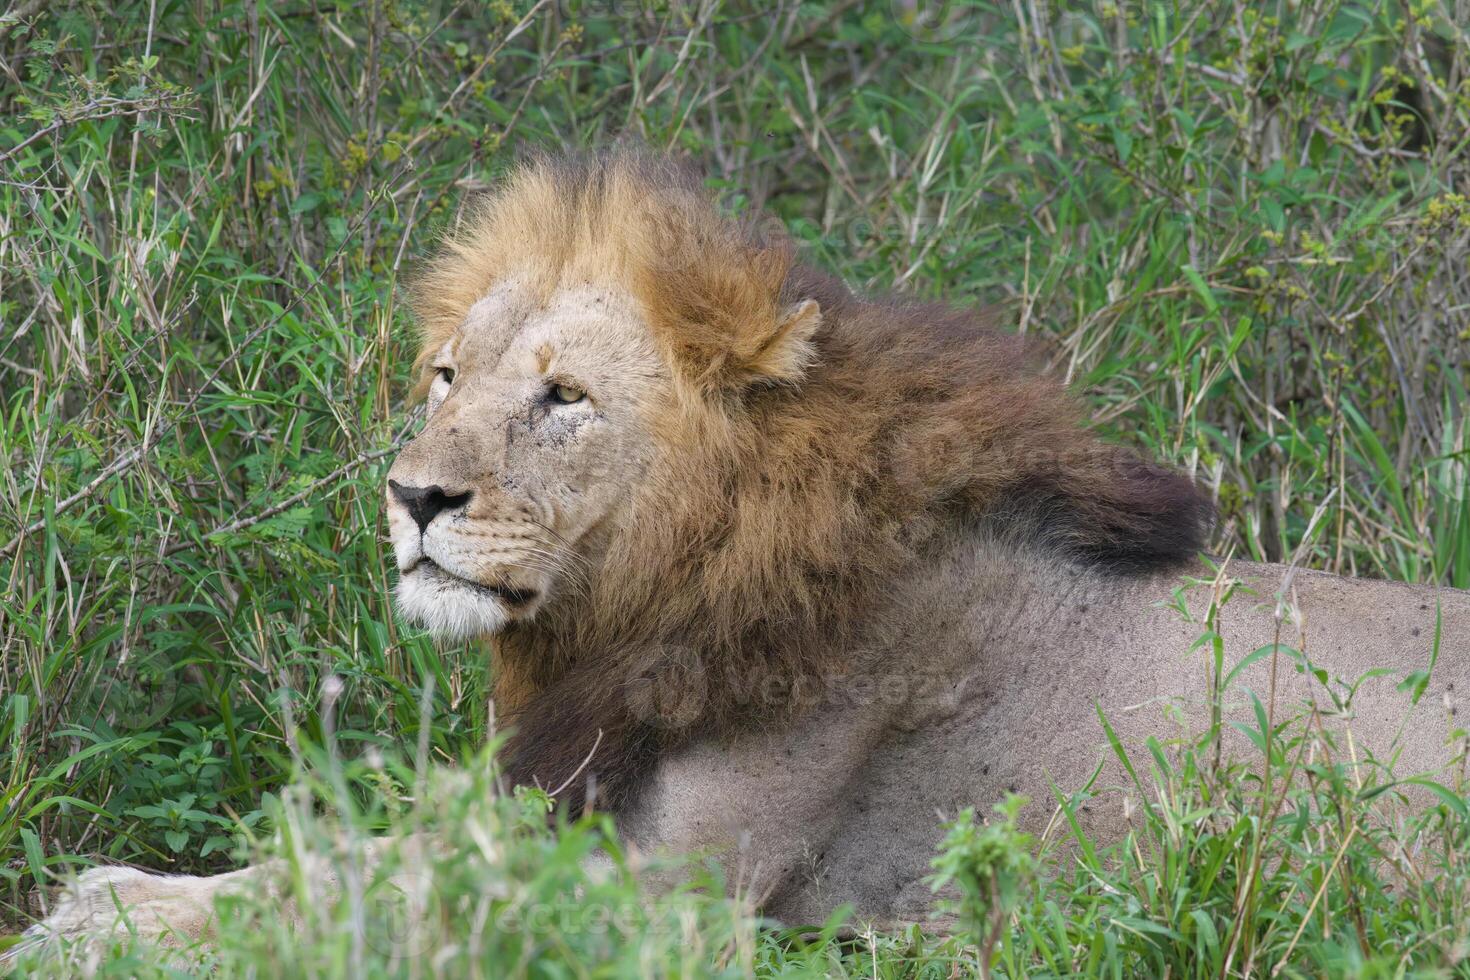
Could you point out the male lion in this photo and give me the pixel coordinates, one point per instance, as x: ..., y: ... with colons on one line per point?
x: 772, y: 567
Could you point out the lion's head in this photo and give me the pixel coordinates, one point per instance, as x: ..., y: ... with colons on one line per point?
x: 568, y: 327
x: 650, y: 429
x: 539, y: 427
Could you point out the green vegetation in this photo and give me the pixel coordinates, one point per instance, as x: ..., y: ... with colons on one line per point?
x: 1242, y: 230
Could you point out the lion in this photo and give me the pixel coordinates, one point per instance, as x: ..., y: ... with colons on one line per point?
x: 777, y: 570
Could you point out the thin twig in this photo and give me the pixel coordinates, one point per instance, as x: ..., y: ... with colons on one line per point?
x: 242, y: 523
x: 96, y: 109
x: 578, y: 771
x: 1306, y: 918
x: 152, y: 435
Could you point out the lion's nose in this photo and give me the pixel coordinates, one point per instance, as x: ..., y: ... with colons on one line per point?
x: 425, y: 503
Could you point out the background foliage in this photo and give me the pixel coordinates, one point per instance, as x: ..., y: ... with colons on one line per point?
x: 1240, y: 228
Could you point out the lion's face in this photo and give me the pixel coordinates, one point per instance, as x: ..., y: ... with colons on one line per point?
x: 538, y: 431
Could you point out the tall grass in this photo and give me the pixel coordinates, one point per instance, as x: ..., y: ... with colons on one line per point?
x: 1241, y: 229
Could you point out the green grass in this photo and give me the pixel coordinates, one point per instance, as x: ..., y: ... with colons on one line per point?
x: 1241, y: 230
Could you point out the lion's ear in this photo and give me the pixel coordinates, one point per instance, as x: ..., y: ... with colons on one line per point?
x: 788, y: 350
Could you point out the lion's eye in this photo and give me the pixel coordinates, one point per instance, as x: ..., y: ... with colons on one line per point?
x: 445, y: 374
x: 566, y: 394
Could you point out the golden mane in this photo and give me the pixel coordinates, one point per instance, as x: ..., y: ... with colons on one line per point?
x: 799, y: 473
x: 710, y: 286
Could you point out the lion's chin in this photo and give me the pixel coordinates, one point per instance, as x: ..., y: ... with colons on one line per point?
x: 451, y: 608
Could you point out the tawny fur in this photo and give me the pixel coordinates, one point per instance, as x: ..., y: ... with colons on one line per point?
x: 802, y: 485
x: 807, y: 458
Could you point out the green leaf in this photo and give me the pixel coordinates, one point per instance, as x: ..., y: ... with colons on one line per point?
x: 216, y: 843
x: 1123, y: 143
x: 1253, y: 657
x: 1202, y: 288
x: 34, y: 855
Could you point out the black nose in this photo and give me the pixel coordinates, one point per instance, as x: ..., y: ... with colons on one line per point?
x: 425, y: 503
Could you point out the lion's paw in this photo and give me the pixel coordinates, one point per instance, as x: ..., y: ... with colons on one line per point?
x: 107, y: 905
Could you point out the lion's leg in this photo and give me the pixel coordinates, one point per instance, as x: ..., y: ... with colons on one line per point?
x: 104, y: 905
x: 767, y: 805
x: 108, y: 904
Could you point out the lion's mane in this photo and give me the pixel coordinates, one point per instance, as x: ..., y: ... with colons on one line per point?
x: 798, y: 478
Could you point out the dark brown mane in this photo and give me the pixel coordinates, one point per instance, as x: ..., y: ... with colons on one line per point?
x: 799, y: 475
